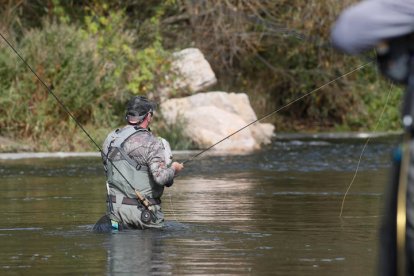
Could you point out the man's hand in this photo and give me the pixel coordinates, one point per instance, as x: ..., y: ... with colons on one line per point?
x: 177, y: 167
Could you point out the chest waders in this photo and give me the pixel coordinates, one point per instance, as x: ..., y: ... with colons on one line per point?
x: 129, y: 177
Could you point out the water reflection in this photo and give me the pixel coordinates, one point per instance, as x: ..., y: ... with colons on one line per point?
x: 272, y: 212
x: 212, y: 200
x: 135, y: 253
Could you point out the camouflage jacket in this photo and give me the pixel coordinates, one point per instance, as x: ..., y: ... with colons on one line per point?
x: 147, y: 150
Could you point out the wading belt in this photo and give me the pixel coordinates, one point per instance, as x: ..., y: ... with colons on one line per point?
x: 134, y: 201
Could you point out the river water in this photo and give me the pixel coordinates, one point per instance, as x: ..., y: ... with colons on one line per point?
x: 275, y: 212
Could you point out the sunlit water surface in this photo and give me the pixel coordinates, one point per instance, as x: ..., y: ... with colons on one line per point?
x: 275, y: 212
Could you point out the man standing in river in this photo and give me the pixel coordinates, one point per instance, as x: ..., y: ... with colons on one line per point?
x: 136, y: 170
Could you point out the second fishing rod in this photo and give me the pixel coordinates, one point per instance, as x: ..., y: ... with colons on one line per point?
x: 276, y: 111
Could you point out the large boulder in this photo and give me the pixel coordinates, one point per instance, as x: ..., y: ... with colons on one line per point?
x: 210, y: 117
x: 192, y: 72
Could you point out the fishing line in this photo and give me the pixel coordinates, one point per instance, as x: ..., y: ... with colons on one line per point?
x: 278, y: 110
x: 203, y: 151
x: 363, y: 149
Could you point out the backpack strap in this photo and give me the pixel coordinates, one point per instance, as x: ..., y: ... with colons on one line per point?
x: 119, y: 140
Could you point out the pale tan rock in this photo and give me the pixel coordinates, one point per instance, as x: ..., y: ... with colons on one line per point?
x: 190, y: 71
x: 194, y: 70
x: 210, y: 117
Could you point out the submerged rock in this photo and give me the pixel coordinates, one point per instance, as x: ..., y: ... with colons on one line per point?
x: 209, y: 117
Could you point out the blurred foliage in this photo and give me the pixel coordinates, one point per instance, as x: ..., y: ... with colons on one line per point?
x: 278, y: 51
x: 96, y: 54
x: 93, y: 68
x: 64, y: 58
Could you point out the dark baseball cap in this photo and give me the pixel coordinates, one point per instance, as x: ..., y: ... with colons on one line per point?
x: 139, y: 106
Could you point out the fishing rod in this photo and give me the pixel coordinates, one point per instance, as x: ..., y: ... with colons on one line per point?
x: 276, y: 29
x: 142, y: 199
x: 203, y: 151
x: 277, y: 110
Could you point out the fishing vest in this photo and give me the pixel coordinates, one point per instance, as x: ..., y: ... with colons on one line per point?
x: 124, y: 173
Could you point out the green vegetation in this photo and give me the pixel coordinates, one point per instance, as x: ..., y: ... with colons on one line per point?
x: 93, y: 69
x: 96, y: 55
